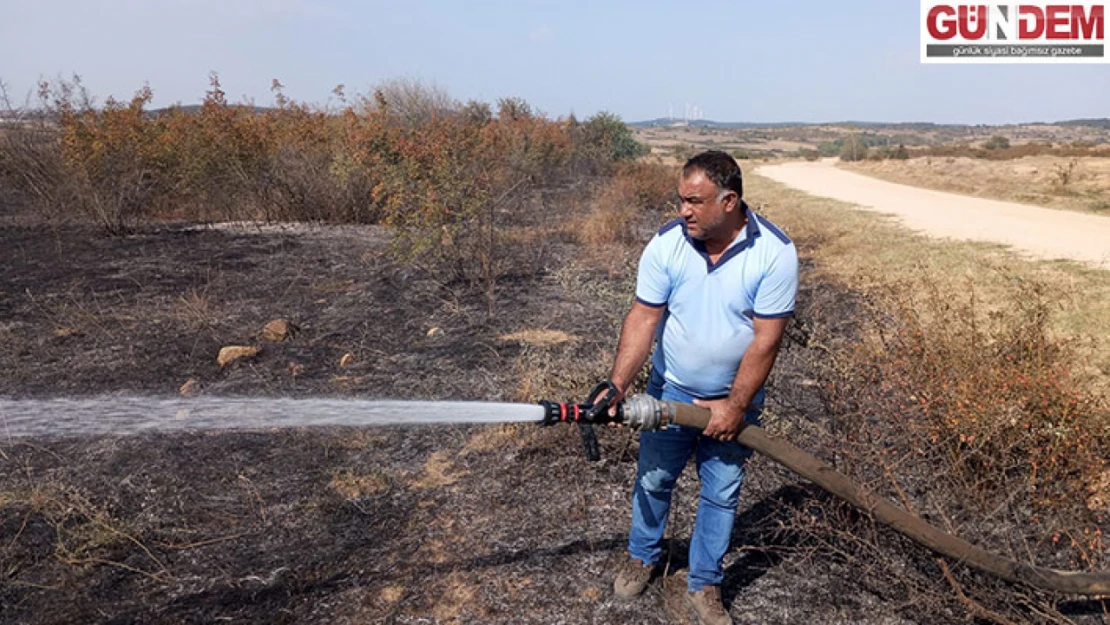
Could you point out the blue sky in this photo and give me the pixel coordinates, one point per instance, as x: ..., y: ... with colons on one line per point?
x: 807, y: 60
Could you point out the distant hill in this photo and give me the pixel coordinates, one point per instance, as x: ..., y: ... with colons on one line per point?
x: 1094, y: 123
x: 707, y: 123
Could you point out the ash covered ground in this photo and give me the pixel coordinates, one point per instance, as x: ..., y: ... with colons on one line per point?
x: 451, y: 524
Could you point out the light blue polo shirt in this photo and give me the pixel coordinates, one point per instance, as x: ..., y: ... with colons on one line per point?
x: 707, y: 326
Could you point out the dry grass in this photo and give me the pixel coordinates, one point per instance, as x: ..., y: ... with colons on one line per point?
x: 503, y: 436
x: 1079, y: 183
x: 438, y: 471
x: 457, y: 593
x: 538, y: 337
x: 621, y: 204
x: 970, y: 390
x: 85, y: 534
x: 352, y: 485
x: 194, y: 307
x: 868, y: 252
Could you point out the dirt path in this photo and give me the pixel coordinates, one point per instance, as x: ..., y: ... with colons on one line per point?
x: 1042, y: 232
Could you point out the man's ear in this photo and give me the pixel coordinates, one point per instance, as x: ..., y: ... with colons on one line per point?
x: 732, y: 200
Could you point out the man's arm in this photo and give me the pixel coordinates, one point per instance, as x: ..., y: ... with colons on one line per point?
x: 637, y: 334
x: 755, y: 366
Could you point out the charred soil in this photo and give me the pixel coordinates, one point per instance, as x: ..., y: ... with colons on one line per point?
x: 452, y: 524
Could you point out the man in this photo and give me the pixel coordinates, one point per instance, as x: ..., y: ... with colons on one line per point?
x: 715, y: 290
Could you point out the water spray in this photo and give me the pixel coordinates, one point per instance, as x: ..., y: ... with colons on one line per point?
x: 115, y: 416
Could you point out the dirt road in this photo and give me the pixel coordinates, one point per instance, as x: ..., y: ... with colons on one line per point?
x: 1041, y: 232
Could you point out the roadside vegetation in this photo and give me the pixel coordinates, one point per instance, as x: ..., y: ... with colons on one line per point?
x: 972, y: 389
x: 1080, y: 183
x: 876, y: 141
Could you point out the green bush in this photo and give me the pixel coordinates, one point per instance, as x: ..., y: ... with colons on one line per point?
x: 997, y: 142
x: 607, y: 129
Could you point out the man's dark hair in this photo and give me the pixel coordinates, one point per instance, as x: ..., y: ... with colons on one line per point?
x: 719, y: 167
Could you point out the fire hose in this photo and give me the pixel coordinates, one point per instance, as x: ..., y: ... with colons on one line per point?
x: 643, y: 412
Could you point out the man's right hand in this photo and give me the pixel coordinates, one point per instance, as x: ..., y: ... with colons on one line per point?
x: 617, y: 399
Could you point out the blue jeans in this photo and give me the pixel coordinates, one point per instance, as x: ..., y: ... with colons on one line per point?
x: 663, y: 455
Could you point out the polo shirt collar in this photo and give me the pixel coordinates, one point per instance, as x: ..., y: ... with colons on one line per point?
x: 751, y: 231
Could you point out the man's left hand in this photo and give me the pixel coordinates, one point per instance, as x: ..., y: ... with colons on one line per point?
x: 725, y: 421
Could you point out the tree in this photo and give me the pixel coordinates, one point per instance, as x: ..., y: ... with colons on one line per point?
x: 853, y: 148
x: 478, y: 113
x: 513, y: 109
x: 607, y: 129
x: 410, y: 101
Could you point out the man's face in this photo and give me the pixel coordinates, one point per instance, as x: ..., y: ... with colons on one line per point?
x: 704, y: 208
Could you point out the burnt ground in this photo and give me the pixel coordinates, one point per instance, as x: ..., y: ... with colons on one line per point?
x: 449, y: 524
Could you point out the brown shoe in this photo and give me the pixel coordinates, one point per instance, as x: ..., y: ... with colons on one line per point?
x: 632, y: 578
x: 708, y: 607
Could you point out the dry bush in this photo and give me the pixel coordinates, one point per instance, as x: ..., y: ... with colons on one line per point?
x: 30, y: 167
x: 444, y: 177
x: 973, y: 421
x: 411, y: 102
x: 1064, y: 174
x: 408, y: 154
x: 39, y: 178
x: 110, y: 179
x: 635, y: 191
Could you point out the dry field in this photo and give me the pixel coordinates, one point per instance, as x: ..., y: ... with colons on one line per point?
x: 867, y: 251
x: 664, y: 140
x: 467, y: 524
x: 444, y: 525
x: 758, y: 142
x: 419, y: 525
x: 950, y: 378
x: 1081, y: 184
